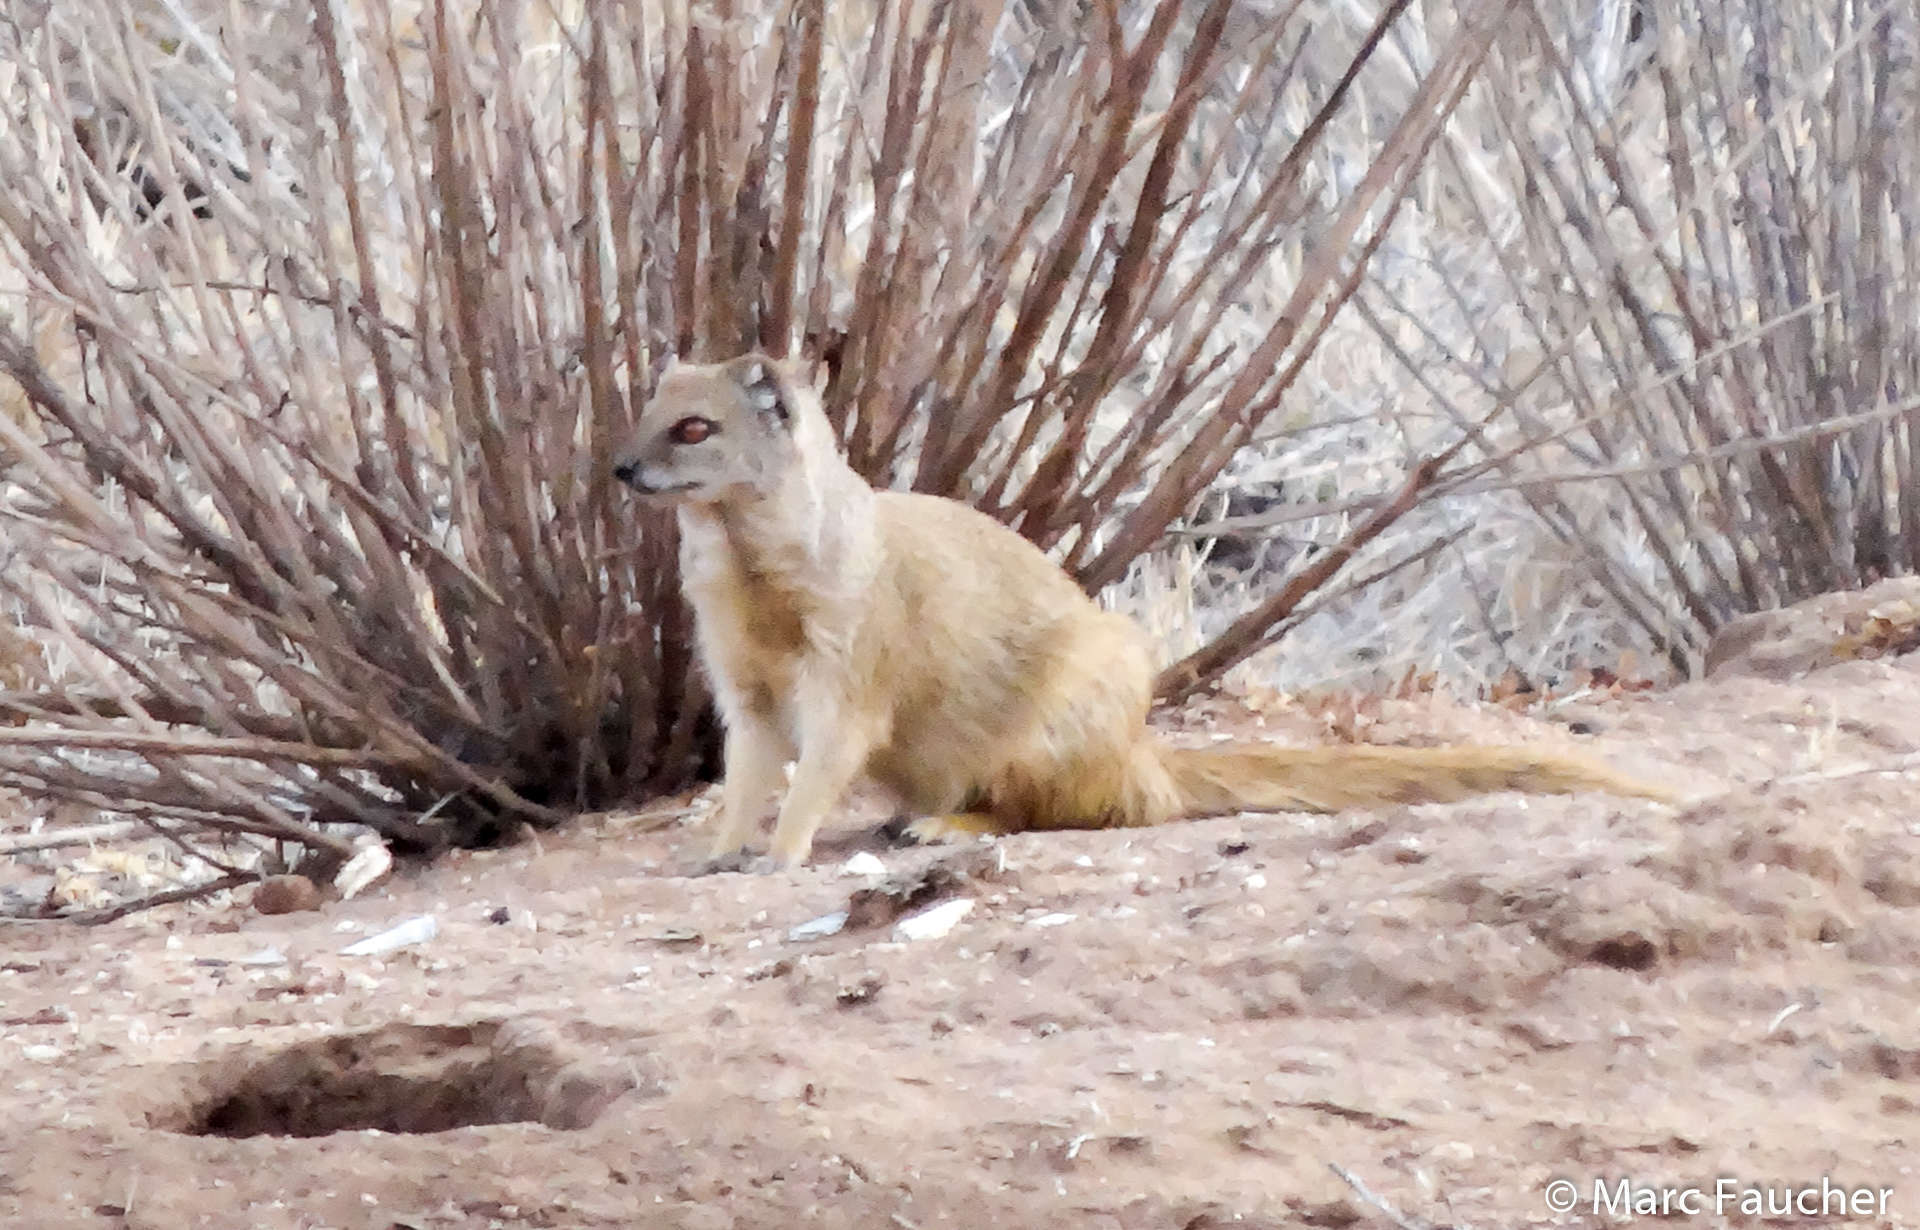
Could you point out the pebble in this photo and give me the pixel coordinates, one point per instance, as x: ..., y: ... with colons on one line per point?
x: 286, y: 895
x: 863, y: 864
x: 933, y: 923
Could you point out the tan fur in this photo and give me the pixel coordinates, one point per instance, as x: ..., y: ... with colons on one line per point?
x: 918, y: 642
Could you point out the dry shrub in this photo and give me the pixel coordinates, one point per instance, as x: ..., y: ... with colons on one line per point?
x: 1681, y: 248
x: 329, y: 323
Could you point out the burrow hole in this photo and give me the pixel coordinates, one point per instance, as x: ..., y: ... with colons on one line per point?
x: 401, y: 1079
x: 1628, y: 951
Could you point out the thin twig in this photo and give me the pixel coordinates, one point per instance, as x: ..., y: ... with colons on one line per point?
x: 1210, y: 661
x: 161, y: 744
x: 110, y: 913
x: 1378, y: 1201
x: 77, y: 835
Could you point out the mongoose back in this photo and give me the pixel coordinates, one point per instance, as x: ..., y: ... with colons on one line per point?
x: 923, y: 644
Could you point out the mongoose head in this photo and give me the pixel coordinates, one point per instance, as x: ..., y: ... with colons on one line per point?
x: 718, y: 432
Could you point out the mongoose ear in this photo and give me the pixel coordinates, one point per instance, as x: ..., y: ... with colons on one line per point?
x: 762, y: 384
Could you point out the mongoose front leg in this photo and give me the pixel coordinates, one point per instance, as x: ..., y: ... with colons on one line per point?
x: 755, y: 756
x: 831, y: 756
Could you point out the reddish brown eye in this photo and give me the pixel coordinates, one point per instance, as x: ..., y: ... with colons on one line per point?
x: 691, y: 430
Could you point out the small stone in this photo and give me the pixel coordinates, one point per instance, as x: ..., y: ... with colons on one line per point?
x: 885, y: 900
x: 934, y: 923
x: 863, y: 864
x: 286, y: 895
x: 862, y: 990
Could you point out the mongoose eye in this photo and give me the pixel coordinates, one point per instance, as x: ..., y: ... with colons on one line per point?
x: 691, y: 430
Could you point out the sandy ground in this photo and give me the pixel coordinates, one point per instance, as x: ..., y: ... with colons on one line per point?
x: 1189, y: 1027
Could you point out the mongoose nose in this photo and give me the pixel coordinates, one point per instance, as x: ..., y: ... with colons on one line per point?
x: 625, y: 472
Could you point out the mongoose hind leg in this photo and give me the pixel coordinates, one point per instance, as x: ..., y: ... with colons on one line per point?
x: 957, y: 825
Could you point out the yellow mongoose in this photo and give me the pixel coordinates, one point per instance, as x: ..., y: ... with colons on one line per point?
x: 918, y: 641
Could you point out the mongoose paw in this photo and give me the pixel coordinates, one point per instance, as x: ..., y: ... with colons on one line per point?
x: 928, y: 831
x: 787, y: 858
x: 898, y: 831
x: 918, y: 831
x: 736, y: 862
x: 952, y: 826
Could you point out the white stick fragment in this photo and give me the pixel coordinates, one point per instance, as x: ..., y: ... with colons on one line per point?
x: 1404, y: 1221
x: 368, y: 865
x: 820, y: 928
x: 412, y: 931
x: 933, y: 923
x: 76, y: 835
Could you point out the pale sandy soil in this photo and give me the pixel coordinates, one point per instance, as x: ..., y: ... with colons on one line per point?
x: 1187, y: 1027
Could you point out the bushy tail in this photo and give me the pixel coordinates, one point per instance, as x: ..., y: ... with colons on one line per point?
x: 1261, y: 777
